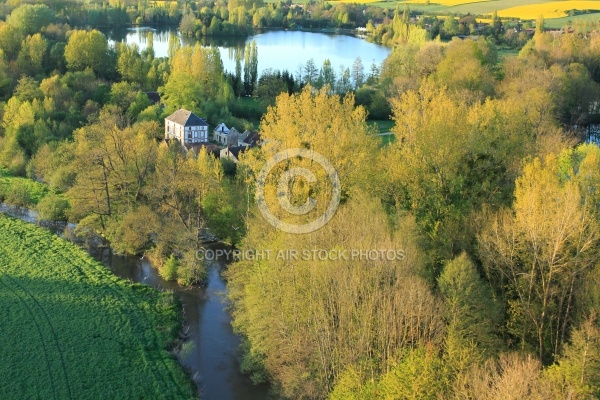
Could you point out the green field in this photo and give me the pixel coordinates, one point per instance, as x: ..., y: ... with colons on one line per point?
x: 70, y: 329
x: 558, y: 23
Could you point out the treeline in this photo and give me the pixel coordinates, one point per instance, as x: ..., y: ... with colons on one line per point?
x: 229, y: 18
x: 241, y: 17
x: 103, y: 14
x: 490, y: 198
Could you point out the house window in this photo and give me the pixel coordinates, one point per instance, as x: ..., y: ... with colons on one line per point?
x: 189, y: 135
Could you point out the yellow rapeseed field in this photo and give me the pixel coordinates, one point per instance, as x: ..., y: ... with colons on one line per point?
x: 555, y: 9
x: 447, y: 2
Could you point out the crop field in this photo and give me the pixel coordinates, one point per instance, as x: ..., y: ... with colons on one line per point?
x: 523, y: 9
x: 70, y: 329
x: 555, y: 9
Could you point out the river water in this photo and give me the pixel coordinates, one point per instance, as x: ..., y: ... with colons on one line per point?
x: 280, y: 49
x: 212, y: 353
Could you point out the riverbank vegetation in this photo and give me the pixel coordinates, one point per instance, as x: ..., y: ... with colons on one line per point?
x: 74, y: 330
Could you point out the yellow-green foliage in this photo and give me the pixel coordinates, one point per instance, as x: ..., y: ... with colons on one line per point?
x: 20, y: 192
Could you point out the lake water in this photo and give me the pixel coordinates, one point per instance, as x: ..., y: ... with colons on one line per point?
x: 282, y: 50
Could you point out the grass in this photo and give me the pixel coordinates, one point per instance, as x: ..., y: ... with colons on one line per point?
x: 558, y: 23
x: 384, y: 125
x: 387, y: 139
x: 507, y: 52
x: 73, y: 330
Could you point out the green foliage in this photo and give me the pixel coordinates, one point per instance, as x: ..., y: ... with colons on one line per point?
x: 253, y: 365
x: 85, y: 327
x: 87, y: 50
x: 53, y: 207
x: 577, y: 372
x: 169, y: 270
x: 30, y: 19
x: 419, y: 375
x: 21, y: 192
x: 471, y: 311
x: 197, y: 82
x: 544, y: 249
x: 352, y: 386
x: 225, y: 214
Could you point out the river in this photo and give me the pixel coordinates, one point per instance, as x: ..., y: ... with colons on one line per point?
x: 280, y: 49
x: 211, y: 355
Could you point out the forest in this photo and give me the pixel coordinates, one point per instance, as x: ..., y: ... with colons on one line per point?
x: 489, y: 189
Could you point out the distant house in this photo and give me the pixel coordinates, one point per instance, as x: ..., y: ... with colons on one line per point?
x: 232, y: 153
x: 226, y: 136
x: 249, y: 139
x: 220, y: 133
x: 186, y: 127
x: 210, y: 148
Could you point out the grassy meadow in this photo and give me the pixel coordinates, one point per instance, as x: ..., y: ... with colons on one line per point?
x: 73, y: 330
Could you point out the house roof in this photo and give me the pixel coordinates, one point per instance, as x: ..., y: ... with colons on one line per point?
x: 222, y: 128
x: 186, y: 118
x: 253, y: 138
x: 210, y: 148
x: 233, y: 151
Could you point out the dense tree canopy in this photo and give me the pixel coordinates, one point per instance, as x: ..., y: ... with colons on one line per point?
x: 87, y: 50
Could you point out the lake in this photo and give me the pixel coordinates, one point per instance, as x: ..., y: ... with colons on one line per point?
x: 282, y: 50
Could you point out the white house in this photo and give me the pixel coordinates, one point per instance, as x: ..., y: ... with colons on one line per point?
x: 225, y: 136
x: 186, y: 127
x: 220, y: 133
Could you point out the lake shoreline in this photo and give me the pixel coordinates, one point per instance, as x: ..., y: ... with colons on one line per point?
x: 283, y: 50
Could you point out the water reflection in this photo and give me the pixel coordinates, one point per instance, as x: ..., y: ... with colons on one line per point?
x: 283, y: 50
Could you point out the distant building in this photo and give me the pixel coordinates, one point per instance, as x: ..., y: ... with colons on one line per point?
x: 220, y: 133
x: 232, y: 153
x: 225, y: 136
x: 249, y: 139
x: 186, y: 127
